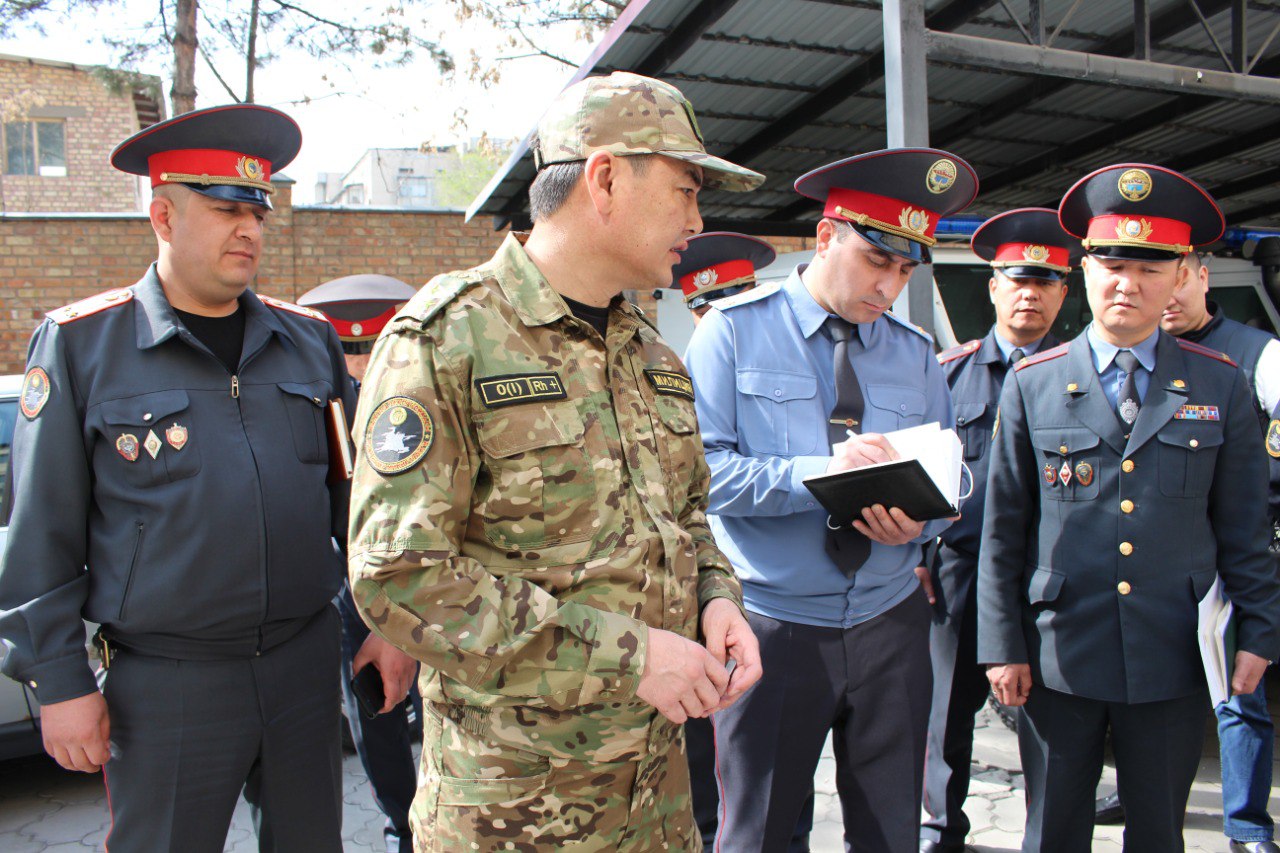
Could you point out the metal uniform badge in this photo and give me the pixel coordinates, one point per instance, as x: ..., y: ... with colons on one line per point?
x: 398, y: 435
x: 35, y: 392
x: 152, y: 443
x: 1064, y: 473
x: 941, y: 176
x: 1273, y: 440
x: 1050, y: 475
x: 1134, y: 184
x: 1084, y: 473
x: 177, y: 436
x: 127, y: 446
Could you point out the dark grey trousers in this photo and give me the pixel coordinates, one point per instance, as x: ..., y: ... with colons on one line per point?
x: 870, y: 687
x: 1157, y: 749
x: 960, y: 689
x: 188, y: 736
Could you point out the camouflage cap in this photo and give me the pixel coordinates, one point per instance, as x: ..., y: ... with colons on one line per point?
x: 627, y: 114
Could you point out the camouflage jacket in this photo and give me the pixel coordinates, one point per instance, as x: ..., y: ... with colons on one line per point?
x: 528, y: 498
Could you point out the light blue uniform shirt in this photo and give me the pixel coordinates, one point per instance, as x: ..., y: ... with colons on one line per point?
x: 1006, y: 348
x: 1110, y: 374
x: 764, y: 386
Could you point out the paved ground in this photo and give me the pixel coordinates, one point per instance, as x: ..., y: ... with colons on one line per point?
x: 46, y: 810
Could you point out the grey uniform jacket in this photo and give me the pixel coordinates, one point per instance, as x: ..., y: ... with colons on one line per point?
x: 216, y: 547
x: 1095, y: 582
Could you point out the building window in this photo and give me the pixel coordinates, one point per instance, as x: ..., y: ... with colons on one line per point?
x: 35, y: 148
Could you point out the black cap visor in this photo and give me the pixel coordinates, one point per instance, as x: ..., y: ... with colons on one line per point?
x: 1028, y: 271
x: 894, y: 244
x: 1134, y: 253
x: 723, y: 293
x: 246, y: 195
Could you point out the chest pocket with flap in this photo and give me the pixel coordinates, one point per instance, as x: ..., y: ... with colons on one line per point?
x: 304, y: 403
x: 536, y: 487
x: 129, y: 422
x: 1080, y: 458
x: 779, y: 413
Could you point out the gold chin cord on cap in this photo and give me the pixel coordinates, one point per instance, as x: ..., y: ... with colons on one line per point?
x: 1094, y: 242
x: 219, y: 180
x: 898, y: 230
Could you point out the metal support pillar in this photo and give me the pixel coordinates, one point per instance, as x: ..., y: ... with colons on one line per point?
x: 1036, y: 10
x: 907, y: 119
x: 1141, y: 30
x: 1239, y: 36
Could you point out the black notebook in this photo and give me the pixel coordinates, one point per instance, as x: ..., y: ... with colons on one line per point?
x: 924, y: 483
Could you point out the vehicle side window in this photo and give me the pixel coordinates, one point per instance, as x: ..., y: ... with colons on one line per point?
x: 8, y: 417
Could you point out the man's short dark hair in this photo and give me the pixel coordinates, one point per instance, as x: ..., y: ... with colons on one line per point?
x: 553, y: 184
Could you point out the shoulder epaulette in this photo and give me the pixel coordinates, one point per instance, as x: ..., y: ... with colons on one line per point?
x: 912, y: 326
x: 1048, y: 355
x: 281, y: 305
x: 950, y: 355
x: 1191, y: 346
x: 760, y: 291
x: 435, y: 295
x: 92, y: 305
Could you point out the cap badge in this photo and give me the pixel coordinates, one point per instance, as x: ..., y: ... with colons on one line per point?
x: 706, y: 278
x: 249, y: 167
x: 1135, y: 184
x: 357, y: 329
x: 1133, y: 229
x: 913, y: 220
x: 1036, y: 254
x: 941, y: 176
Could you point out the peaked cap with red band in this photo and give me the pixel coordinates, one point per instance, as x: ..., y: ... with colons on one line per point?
x: 358, y: 306
x: 1027, y: 243
x: 1138, y: 212
x: 226, y: 152
x: 895, y: 197
x: 719, y: 264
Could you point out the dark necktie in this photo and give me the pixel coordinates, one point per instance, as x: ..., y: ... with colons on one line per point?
x: 1016, y: 356
x: 1128, y: 403
x: 847, y: 547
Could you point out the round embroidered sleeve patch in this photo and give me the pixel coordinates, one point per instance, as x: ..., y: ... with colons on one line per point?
x: 35, y: 392
x: 1273, y: 440
x: 398, y: 435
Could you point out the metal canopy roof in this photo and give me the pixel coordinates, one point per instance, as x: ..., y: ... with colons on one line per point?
x: 783, y: 86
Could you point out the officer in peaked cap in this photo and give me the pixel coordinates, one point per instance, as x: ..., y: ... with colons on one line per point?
x: 227, y: 153
x: 796, y: 381
x: 170, y: 485
x: 717, y: 265
x: 359, y: 306
x: 1030, y: 257
x: 1125, y: 478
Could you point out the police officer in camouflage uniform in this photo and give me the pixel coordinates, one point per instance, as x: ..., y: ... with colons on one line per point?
x: 170, y: 471
x: 528, y: 509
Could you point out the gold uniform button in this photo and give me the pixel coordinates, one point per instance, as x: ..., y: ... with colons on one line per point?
x: 1126, y: 506
x: 33, y: 684
x: 1123, y: 588
x: 1063, y: 450
x: 1195, y: 443
x: 1126, y: 548
x: 1127, y: 466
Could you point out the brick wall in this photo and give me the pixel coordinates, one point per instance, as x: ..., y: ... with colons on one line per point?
x: 48, y: 261
x: 96, y: 119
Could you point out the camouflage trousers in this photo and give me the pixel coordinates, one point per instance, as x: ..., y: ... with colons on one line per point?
x: 474, y: 795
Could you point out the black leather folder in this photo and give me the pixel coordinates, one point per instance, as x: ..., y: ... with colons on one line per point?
x: 903, y: 484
